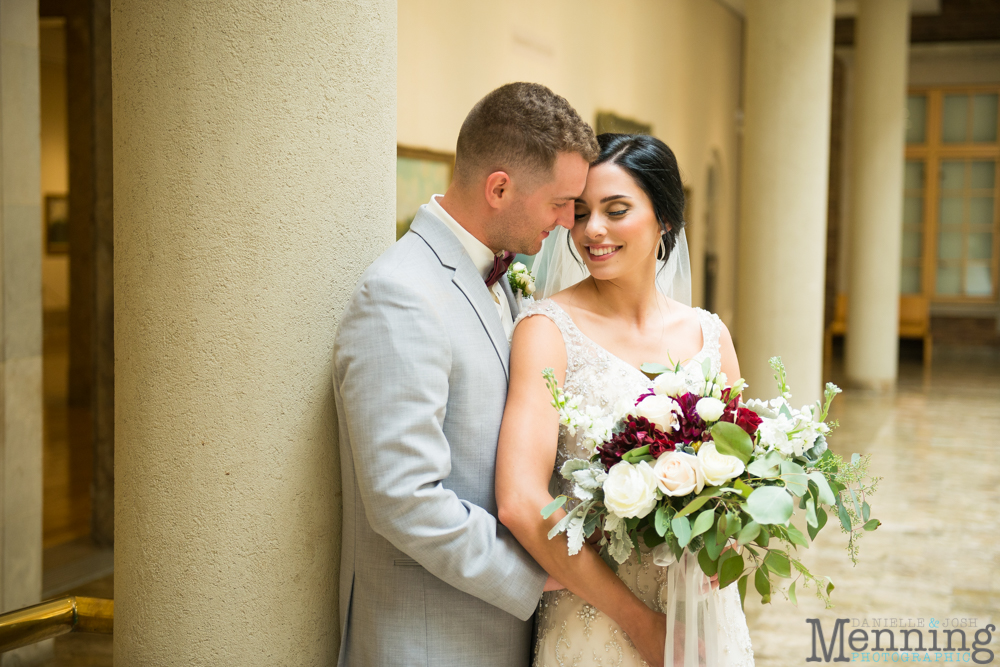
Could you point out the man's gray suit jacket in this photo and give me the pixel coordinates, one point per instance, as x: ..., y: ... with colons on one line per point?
x: 428, y: 576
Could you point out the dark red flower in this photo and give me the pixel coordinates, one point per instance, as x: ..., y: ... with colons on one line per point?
x: 690, y: 427
x: 637, y: 432
x: 748, y: 420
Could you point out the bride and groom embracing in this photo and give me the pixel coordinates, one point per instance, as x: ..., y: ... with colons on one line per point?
x: 449, y: 443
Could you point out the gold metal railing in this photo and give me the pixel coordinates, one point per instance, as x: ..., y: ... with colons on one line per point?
x: 53, y: 618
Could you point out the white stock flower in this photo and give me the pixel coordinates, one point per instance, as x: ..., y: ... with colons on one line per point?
x: 630, y: 490
x: 660, y: 411
x: 710, y: 409
x: 670, y: 384
x: 678, y: 474
x: 718, y: 468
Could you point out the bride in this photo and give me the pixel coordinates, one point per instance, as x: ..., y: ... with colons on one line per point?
x: 595, y: 334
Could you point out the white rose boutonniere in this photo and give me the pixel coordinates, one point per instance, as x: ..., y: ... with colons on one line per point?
x: 521, y: 281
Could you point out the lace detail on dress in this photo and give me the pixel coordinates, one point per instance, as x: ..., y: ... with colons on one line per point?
x: 570, y: 631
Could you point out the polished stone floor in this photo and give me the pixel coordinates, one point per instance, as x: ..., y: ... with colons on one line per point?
x: 936, y: 443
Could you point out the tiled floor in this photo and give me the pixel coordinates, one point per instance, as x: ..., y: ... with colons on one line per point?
x: 936, y: 444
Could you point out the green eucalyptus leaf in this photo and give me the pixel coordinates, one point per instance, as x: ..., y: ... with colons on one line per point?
x: 811, y: 517
x: 865, y: 511
x: 652, y: 538
x: 742, y: 587
x: 857, y: 507
x: 777, y: 562
x: 795, y: 536
x: 712, y: 545
x: 845, y: 520
x: 730, y: 569
x: 706, y: 367
x: 653, y: 368
x: 742, y: 487
x: 820, y: 522
x: 732, y: 440
x: 748, y: 533
x: 855, y: 458
x: 764, y: 537
x: 682, y: 529
x: 733, y: 524
x: 703, y: 522
x: 660, y: 520
x: 826, y: 495
x: 791, y: 595
x: 708, y: 566
x: 770, y: 505
x: 763, y: 586
x: 707, y: 494
x: 550, y: 509
x: 872, y: 524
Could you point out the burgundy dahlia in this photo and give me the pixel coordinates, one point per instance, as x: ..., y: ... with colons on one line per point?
x: 637, y: 432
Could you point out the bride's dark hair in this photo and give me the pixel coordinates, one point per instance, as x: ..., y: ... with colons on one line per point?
x: 652, y: 165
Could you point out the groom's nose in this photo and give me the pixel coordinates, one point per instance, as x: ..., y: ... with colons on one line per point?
x: 564, y: 218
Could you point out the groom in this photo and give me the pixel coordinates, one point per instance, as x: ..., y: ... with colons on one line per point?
x: 428, y: 576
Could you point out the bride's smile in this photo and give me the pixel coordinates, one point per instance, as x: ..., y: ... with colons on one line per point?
x: 615, y: 228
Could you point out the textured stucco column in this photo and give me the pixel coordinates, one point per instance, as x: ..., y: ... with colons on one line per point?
x: 20, y: 318
x: 254, y: 180
x: 877, y: 146
x: 789, y: 55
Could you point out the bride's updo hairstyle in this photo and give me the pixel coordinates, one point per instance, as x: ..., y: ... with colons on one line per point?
x: 652, y: 165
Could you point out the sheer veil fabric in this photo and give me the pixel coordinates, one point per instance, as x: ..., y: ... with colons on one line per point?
x: 692, y: 607
x: 556, y: 267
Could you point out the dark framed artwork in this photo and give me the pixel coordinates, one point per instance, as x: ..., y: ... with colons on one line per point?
x: 608, y: 121
x: 420, y: 173
x: 56, y: 224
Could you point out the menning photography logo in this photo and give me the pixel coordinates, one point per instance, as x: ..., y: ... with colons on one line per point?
x: 903, y: 640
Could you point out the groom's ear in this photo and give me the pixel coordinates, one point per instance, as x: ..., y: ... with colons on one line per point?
x: 497, y: 189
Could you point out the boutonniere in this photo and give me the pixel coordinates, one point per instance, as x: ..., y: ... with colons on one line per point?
x: 521, y: 280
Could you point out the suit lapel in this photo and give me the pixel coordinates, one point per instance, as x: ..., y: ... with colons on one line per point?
x: 515, y: 309
x: 450, y: 252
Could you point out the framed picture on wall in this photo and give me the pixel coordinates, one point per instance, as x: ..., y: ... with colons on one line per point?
x: 608, y: 121
x: 420, y: 173
x: 56, y: 224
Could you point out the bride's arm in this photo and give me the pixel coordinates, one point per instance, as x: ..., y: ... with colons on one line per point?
x: 525, y: 459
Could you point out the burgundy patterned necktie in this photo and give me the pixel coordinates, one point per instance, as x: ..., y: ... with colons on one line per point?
x: 500, y: 265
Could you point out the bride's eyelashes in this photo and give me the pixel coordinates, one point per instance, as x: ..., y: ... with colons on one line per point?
x: 618, y: 212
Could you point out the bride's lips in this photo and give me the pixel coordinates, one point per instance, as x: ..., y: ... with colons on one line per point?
x: 603, y: 252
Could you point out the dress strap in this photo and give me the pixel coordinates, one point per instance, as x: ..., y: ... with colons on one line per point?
x: 571, y: 335
x: 711, y: 331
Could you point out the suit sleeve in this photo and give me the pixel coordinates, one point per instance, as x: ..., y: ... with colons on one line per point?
x: 392, y: 363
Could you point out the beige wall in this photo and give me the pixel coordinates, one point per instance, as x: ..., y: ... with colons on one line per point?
x: 55, y: 152
x: 673, y: 64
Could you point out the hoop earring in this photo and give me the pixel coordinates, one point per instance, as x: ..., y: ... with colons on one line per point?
x: 661, y: 250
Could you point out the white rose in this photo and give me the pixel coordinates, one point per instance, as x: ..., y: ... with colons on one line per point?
x: 718, y: 468
x: 670, y: 384
x: 517, y: 267
x: 660, y: 411
x: 530, y: 288
x: 710, y: 409
x: 630, y: 490
x: 678, y: 474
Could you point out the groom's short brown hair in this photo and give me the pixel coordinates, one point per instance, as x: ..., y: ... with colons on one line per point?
x: 518, y: 126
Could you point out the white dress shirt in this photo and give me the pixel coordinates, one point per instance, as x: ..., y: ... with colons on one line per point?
x: 481, y: 256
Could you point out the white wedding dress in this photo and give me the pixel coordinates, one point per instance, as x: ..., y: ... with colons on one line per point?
x: 570, y: 631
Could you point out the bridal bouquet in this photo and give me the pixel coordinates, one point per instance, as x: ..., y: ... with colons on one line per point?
x: 689, y: 466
